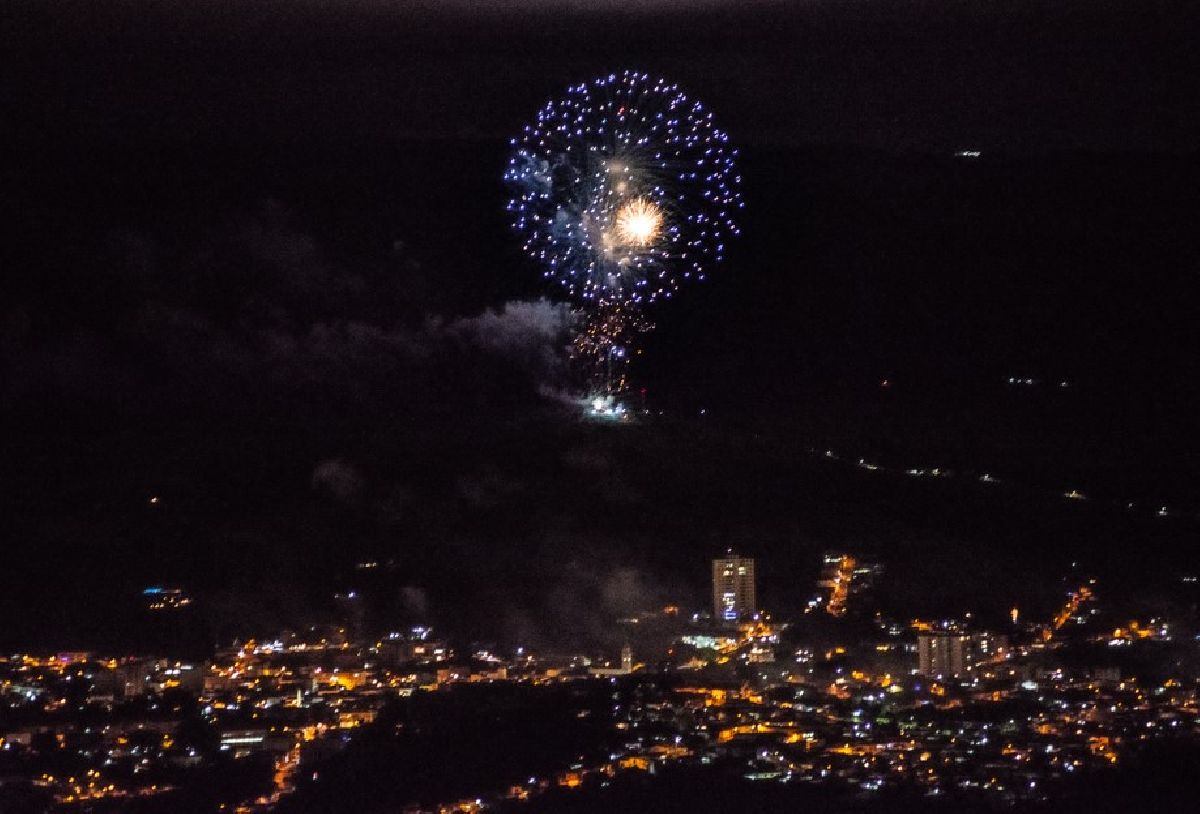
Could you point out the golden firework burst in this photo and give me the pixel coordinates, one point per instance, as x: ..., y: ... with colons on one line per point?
x: 638, y: 222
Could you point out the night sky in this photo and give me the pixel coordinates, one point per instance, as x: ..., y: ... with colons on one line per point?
x: 258, y: 266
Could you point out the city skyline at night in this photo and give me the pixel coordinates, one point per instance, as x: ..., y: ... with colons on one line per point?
x: 634, y: 405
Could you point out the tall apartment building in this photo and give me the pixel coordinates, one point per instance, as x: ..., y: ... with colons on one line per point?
x: 733, y: 588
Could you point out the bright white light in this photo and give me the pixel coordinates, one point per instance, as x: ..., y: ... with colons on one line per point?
x: 638, y: 222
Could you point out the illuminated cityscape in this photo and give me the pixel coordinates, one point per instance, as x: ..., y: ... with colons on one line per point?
x: 942, y: 708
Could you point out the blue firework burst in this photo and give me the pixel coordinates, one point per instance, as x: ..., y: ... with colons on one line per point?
x: 623, y: 190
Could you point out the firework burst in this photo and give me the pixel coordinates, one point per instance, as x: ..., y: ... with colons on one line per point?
x: 623, y: 191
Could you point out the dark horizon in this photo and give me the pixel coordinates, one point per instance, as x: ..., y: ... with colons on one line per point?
x: 1029, y: 77
x: 192, y: 334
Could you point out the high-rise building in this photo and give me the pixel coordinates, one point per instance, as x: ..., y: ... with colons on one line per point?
x: 944, y: 654
x: 134, y: 678
x: 733, y: 588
